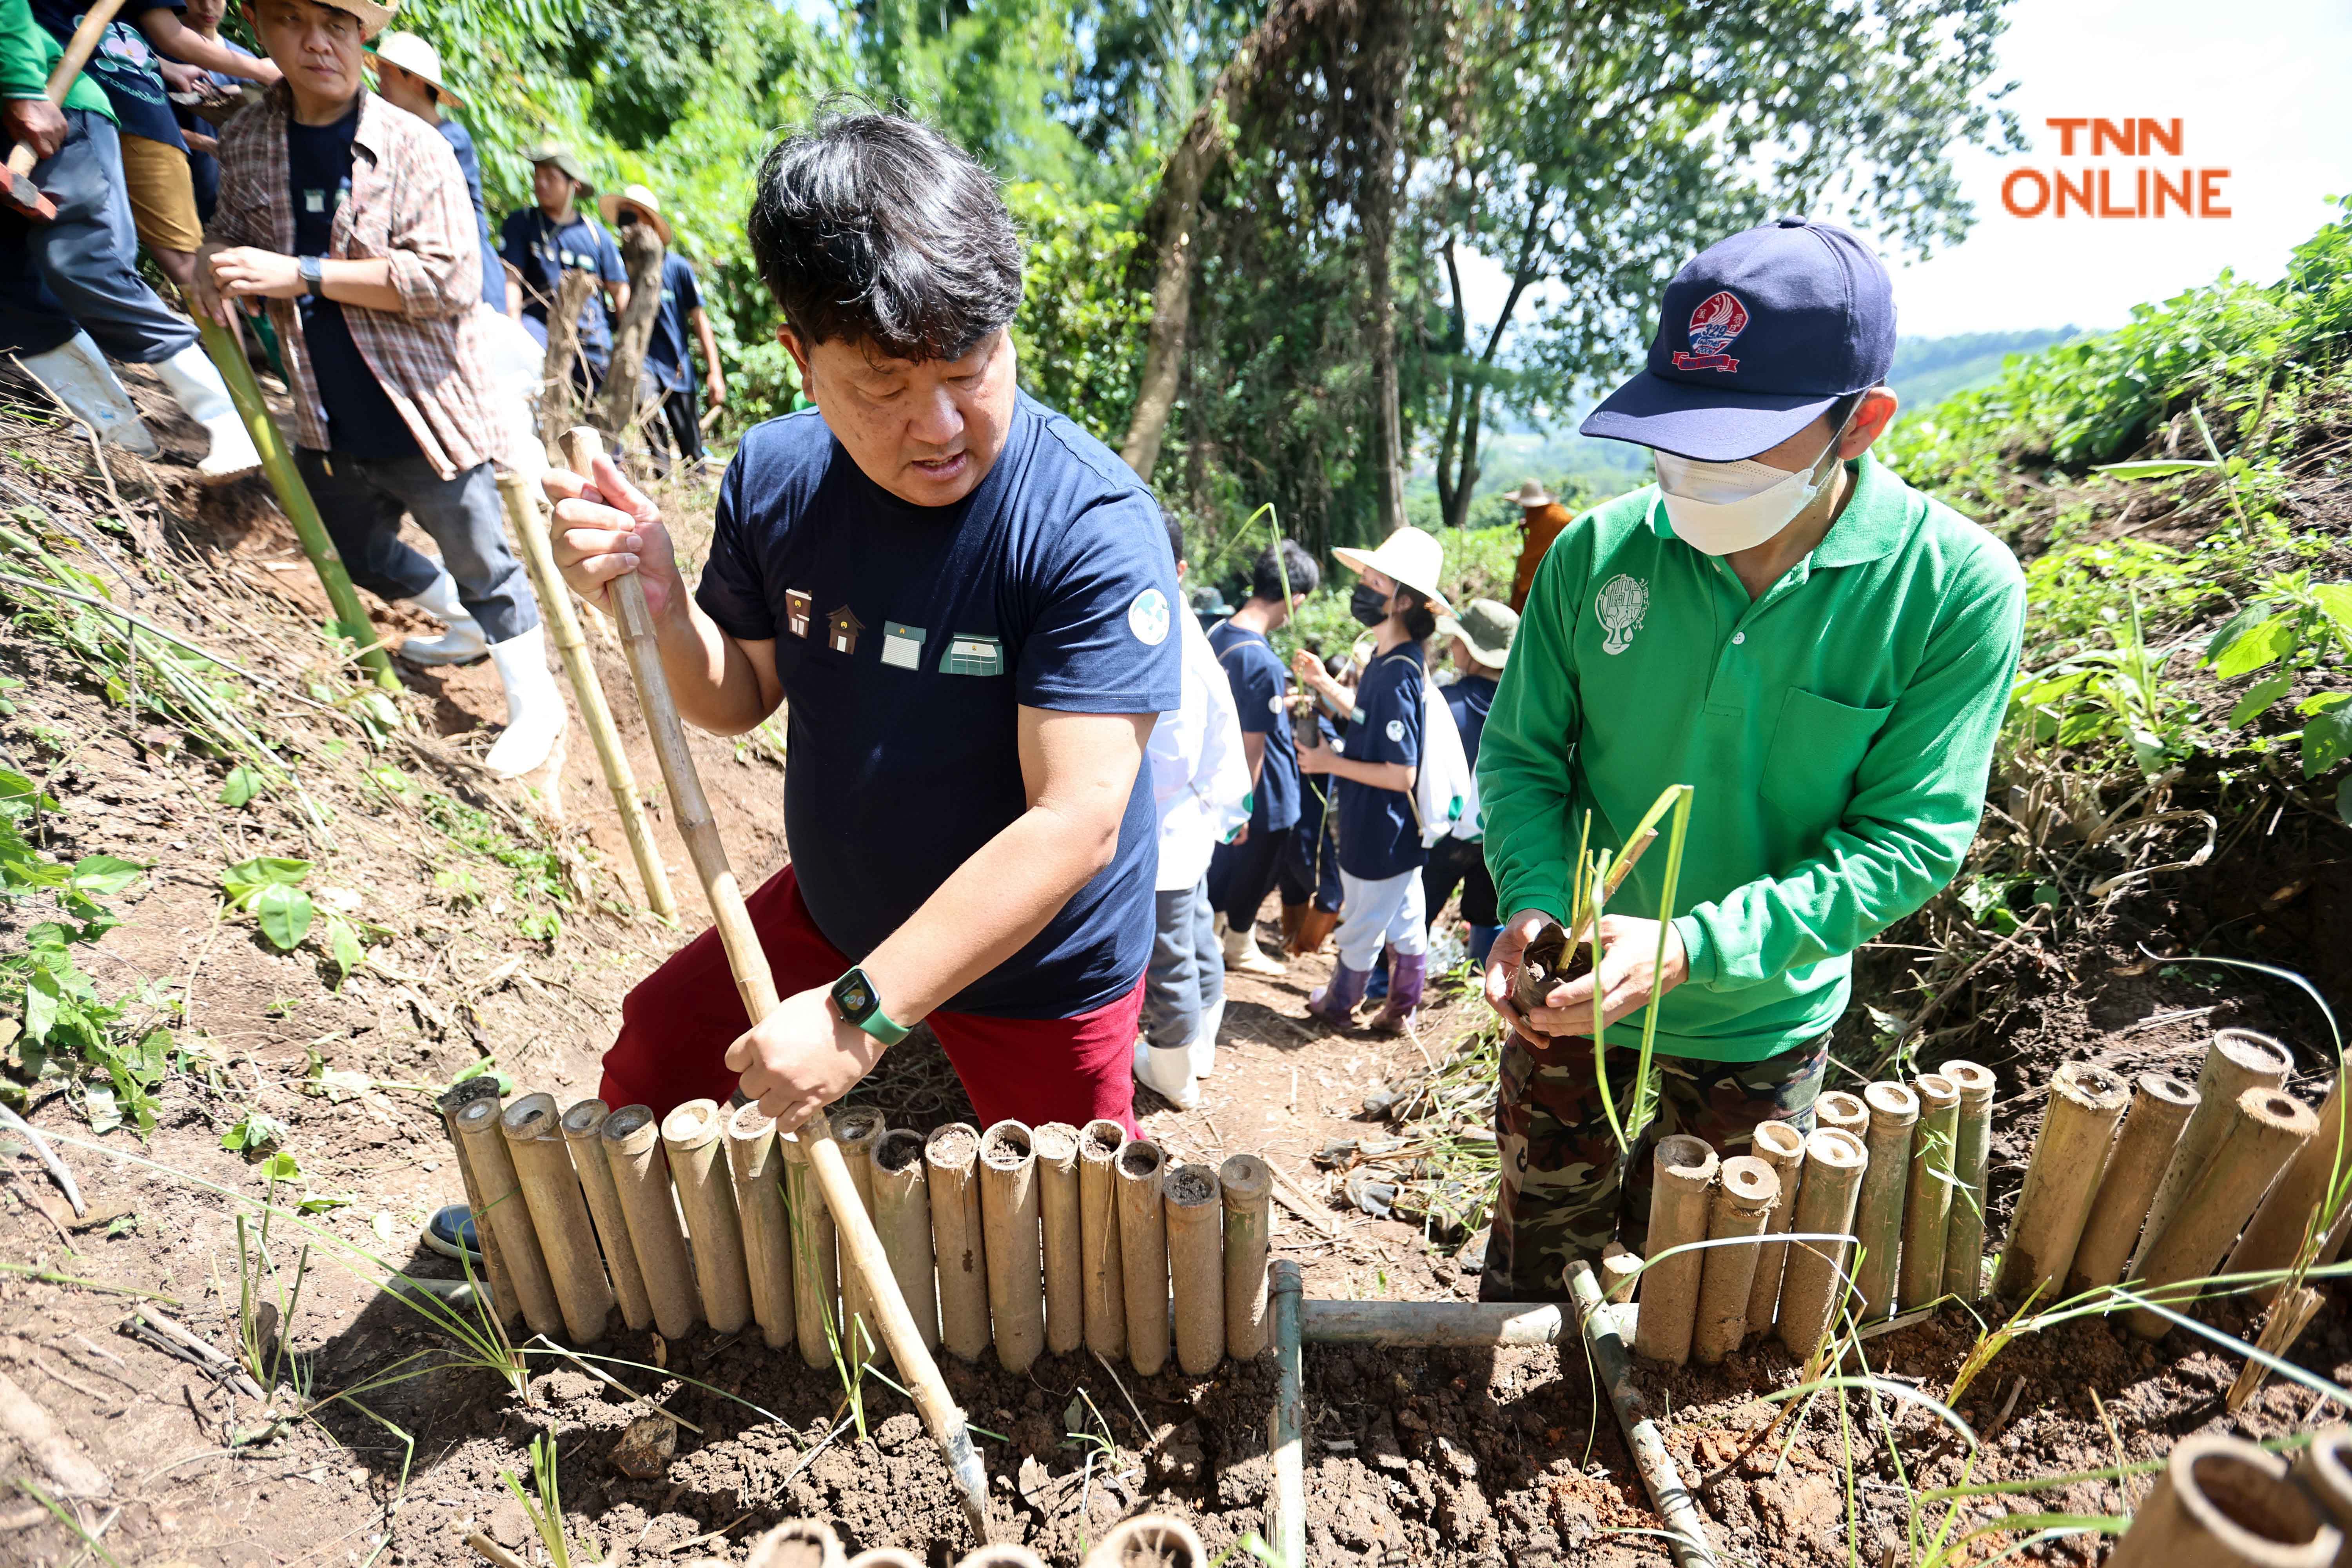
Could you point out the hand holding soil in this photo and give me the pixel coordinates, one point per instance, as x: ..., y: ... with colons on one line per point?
x: 1631, y: 972
x: 802, y: 1058
x: 608, y: 530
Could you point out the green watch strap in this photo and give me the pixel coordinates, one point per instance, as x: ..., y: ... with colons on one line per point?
x: 878, y: 1025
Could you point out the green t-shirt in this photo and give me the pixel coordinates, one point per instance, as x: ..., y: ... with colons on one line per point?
x: 27, y: 54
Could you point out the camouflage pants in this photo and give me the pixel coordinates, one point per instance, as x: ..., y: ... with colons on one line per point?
x: 1566, y: 1191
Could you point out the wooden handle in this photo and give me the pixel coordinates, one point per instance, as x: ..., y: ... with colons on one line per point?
x: 79, y: 48
x: 860, y: 1244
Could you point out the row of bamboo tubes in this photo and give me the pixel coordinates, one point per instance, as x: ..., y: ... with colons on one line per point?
x: 1023, y: 1239
x: 2223, y: 1503
x: 1146, y: 1540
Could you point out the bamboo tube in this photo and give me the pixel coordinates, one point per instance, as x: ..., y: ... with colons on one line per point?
x: 2236, y: 1061
x: 817, y: 1277
x: 1285, y: 1427
x: 1143, y: 1252
x: 2290, y: 1210
x: 1248, y: 1189
x: 1745, y: 1196
x: 1621, y: 1270
x: 1878, y: 1221
x: 758, y: 1168
x: 902, y: 1212
x: 1846, y: 1112
x: 1056, y: 1143
x: 873, y: 1556
x: 2266, y: 1127
x: 559, y: 1212
x: 2223, y: 1503
x: 2159, y: 1109
x: 796, y: 1543
x: 529, y: 529
x: 1196, y: 1266
x: 1812, y: 1283
x: 950, y: 1158
x: 1149, y: 1540
x: 583, y: 1124
x: 2323, y: 1470
x: 1009, y: 1217
x: 856, y: 1128
x: 706, y: 1193
x: 1421, y: 1324
x: 640, y: 1167
x: 1782, y: 1146
x: 1604, y: 1348
x: 459, y: 1095
x: 1686, y: 1170
x: 1927, y: 1191
x: 1001, y: 1554
x: 2061, y: 1180
x: 1104, y: 1281
x: 1972, y: 1143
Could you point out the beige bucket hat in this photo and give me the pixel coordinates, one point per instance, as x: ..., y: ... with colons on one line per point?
x: 1410, y: 556
x: 1486, y: 627
x: 641, y: 197
x: 1532, y: 493
x: 419, y: 59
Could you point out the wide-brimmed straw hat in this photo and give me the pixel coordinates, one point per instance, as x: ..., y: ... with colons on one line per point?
x: 373, y: 17
x: 563, y: 158
x: 1487, y: 629
x: 1409, y: 556
x: 419, y: 59
x: 641, y: 197
x: 1532, y: 493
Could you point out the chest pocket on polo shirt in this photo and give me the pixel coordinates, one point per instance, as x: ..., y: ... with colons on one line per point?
x: 1817, y: 747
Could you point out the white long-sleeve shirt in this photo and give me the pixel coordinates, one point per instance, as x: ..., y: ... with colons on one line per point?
x: 1200, y: 775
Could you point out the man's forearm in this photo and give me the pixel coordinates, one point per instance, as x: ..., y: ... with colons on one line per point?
x: 1379, y: 775
x: 367, y: 284
x: 710, y: 677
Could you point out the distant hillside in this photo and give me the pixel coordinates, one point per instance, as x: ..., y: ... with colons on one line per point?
x: 1928, y: 370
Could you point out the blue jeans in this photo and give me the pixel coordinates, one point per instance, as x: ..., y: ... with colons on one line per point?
x: 1184, y: 989
x: 362, y: 499
x: 81, y: 270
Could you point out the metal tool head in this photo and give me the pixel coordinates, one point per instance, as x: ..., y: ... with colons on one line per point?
x: 24, y: 197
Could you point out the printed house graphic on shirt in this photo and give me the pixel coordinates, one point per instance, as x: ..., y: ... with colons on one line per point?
x: 796, y: 611
x: 970, y: 653
x: 841, y: 630
x: 902, y: 645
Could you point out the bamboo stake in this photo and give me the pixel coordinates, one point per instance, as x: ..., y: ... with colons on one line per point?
x: 1843, y: 1111
x: 2266, y: 1127
x: 1927, y: 1191
x: 640, y: 1167
x: 1056, y: 1143
x: 1621, y: 1271
x: 1143, y: 1252
x: 1814, y: 1280
x: 1196, y: 1266
x: 951, y: 1156
x: 2223, y: 1503
x: 559, y: 1212
x: 902, y: 1212
x: 583, y: 1123
x: 2061, y: 1180
x: 1686, y: 1170
x: 2236, y: 1061
x: 1286, y: 1510
x: 1745, y: 1197
x: 860, y: 1247
x: 1782, y: 1146
x: 1894, y: 1113
x: 707, y: 1193
x: 2159, y: 1109
x: 1009, y: 1221
x: 455, y: 1098
x: 1248, y: 1188
x: 508, y: 1213
x: 1604, y: 1344
x: 757, y: 1165
x: 856, y: 1128
x: 2290, y: 1210
x: 1972, y: 1143
x: 612, y: 758
x: 1105, y: 1281
x: 817, y: 1277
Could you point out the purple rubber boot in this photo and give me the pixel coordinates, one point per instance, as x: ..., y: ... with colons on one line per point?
x: 1336, y: 1004
x: 1408, y: 977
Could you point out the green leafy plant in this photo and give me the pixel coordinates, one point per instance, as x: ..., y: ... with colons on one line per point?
x: 269, y: 889
x: 255, y: 1131
x: 2291, y: 627
x: 2114, y: 694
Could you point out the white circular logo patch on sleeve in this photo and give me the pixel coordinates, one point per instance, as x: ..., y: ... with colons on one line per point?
x: 1274, y: 704
x: 1148, y: 618
x: 1396, y: 730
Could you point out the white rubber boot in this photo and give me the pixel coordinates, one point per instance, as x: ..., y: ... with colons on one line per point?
x: 535, y: 712
x: 1242, y: 954
x: 77, y: 373
x: 1167, y: 1073
x: 463, y: 643
x: 195, y: 382
x: 1205, y: 1045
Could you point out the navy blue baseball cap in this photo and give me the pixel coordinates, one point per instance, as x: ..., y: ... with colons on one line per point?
x: 1757, y: 335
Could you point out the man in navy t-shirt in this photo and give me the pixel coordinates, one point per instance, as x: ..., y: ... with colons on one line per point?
x: 1241, y: 872
x: 542, y: 243
x: 966, y: 605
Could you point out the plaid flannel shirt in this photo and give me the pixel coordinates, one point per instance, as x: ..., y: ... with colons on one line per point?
x: 408, y: 205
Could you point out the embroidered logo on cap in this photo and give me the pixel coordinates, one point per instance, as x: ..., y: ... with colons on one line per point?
x: 1721, y: 317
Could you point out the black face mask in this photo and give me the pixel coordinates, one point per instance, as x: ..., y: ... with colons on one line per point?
x: 1368, y: 604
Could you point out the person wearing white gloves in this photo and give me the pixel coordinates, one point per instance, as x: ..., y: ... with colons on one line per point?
x: 1200, y: 786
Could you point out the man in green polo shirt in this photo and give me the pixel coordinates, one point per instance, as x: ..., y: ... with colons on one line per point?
x: 1820, y: 650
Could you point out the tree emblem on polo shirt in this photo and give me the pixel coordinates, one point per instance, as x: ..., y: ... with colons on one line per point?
x: 841, y: 632
x: 796, y: 612
x: 969, y: 653
x: 1622, y: 603
x: 902, y: 645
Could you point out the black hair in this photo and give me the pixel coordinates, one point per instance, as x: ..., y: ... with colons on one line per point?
x: 1175, y: 535
x: 1266, y: 577
x: 876, y: 229
x: 1419, y: 620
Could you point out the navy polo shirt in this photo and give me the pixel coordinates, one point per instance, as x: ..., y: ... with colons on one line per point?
x: 1259, y: 683
x: 1468, y: 699
x: 542, y: 250
x: 906, y: 638
x: 361, y: 421
x: 666, y: 351
x: 493, y: 276
x: 1379, y: 836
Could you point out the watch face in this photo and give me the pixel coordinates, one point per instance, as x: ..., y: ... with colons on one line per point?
x: 855, y: 997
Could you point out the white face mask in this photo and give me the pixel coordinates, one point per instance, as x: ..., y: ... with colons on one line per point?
x: 1719, y: 508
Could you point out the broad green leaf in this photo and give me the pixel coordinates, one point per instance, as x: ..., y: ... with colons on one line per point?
x: 343, y: 945
x: 41, y: 998
x: 280, y: 1167
x: 2259, y: 696
x: 100, y: 1105
x: 243, y: 783
x: 2336, y: 598
x: 246, y: 878
x: 2327, y: 741
x: 101, y: 876
x: 285, y: 915
x: 2264, y: 643
x: 2156, y: 470
x: 2325, y: 701
x: 322, y: 1203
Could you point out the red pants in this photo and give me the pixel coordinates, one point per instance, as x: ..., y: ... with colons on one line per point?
x: 676, y: 1024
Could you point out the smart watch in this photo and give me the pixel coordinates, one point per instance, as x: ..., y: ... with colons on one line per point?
x: 862, y: 1006
x: 314, y: 276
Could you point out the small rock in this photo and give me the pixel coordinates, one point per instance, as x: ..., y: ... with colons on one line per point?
x: 1381, y: 1445
x: 646, y: 1447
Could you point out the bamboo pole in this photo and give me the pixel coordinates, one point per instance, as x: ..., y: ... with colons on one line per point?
x: 1878, y: 1221
x: 1844, y: 1111
x: 507, y: 1214
x: 2223, y: 1503
x: 2061, y: 1180
x: 464, y: 1092
x: 583, y: 1124
x: 1248, y: 1188
x: 2323, y: 1470
x: 294, y: 499
x: 1604, y: 1344
x: 1105, y: 1281
x: 1286, y: 1509
x: 2290, y: 1211
x: 1927, y: 1191
x: 856, y: 1128
x: 1621, y: 1271
x: 1972, y: 1143
x: 559, y: 1212
x: 2151, y: 1130
x: 902, y: 1212
x: 1745, y: 1196
x: 1422, y: 1324
x: 1009, y: 1221
x: 640, y: 1167
x: 2235, y: 1061
x: 612, y: 758
x: 1056, y: 1143
x: 860, y: 1247
x: 1196, y: 1266
x: 816, y: 1268
x: 1143, y: 1252
x: 757, y: 1167
x: 2266, y: 1127
x: 1781, y: 1145
x: 1686, y: 1170
x: 951, y: 1156
x: 707, y: 1193
x: 1813, y: 1281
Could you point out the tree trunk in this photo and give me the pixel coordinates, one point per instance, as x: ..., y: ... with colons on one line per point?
x: 1388, y: 31
x: 1457, y: 340
x: 1457, y: 493
x: 559, y: 394
x: 616, y: 404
